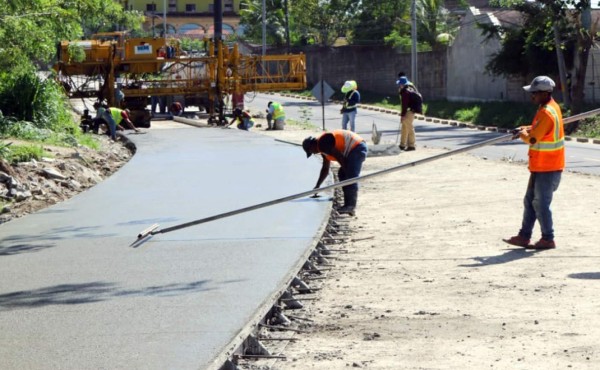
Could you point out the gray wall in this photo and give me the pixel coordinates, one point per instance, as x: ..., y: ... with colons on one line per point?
x: 375, y: 69
x: 467, y: 78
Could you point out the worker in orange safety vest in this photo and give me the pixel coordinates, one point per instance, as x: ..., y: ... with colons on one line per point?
x: 546, y: 139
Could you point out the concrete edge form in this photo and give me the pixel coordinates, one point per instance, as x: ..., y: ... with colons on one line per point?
x: 225, y: 359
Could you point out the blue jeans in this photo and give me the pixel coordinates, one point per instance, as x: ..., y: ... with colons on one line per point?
x: 112, y: 125
x: 349, y: 117
x: 538, y: 198
x: 354, y: 163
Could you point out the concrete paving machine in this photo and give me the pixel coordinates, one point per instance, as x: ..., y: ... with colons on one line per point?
x: 126, y: 71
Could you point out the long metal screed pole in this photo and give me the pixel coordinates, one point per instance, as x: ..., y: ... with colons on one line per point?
x: 152, y: 230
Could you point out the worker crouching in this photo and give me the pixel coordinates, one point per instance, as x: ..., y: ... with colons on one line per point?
x: 346, y: 148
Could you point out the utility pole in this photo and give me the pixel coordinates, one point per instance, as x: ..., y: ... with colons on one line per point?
x: 287, y: 25
x: 264, y: 27
x: 165, y: 18
x: 413, y: 34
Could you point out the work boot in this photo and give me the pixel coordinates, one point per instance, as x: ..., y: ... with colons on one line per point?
x: 518, y: 240
x: 543, y: 244
x: 402, y: 147
x: 410, y: 148
x: 350, y: 198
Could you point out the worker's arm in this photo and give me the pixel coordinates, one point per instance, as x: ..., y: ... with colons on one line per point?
x: 324, y: 172
x: 531, y: 135
x: 404, y: 102
x: 127, y: 121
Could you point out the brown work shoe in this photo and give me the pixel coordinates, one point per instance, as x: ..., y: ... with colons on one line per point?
x: 518, y: 240
x: 543, y: 244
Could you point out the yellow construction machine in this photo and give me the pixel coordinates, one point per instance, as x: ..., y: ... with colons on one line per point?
x: 116, y: 65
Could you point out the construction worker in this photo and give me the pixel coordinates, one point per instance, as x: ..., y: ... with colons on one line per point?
x: 243, y: 118
x: 545, y: 138
x: 114, y: 117
x: 351, y: 101
x: 176, y: 108
x: 407, y: 92
x: 275, y: 116
x: 346, y: 148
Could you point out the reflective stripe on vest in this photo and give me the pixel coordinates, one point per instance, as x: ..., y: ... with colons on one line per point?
x: 345, y: 141
x: 350, y: 97
x: 548, y: 154
x: 277, y: 111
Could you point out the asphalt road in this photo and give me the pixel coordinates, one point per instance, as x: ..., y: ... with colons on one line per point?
x: 580, y: 157
x: 75, y: 294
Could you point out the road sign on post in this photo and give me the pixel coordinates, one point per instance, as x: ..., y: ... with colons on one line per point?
x: 322, y: 92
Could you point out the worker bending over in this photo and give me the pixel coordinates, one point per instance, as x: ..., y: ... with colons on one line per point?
x: 346, y: 148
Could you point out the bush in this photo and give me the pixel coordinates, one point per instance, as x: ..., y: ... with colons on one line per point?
x: 23, y: 153
x: 26, y: 97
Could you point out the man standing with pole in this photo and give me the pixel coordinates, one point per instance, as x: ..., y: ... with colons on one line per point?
x: 546, y: 142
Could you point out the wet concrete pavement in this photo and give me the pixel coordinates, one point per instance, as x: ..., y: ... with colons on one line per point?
x: 75, y: 294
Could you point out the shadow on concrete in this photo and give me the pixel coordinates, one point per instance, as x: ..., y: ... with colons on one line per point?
x: 70, y: 294
x: 510, y: 256
x: 586, y: 275
x: 22, y: 248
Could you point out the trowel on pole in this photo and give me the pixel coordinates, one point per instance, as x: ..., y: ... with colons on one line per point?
x: 154, y: 229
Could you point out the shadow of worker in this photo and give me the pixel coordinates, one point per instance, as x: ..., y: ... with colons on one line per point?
x: 510, y: 255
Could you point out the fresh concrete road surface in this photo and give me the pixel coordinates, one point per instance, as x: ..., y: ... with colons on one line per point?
x: 75, y: 295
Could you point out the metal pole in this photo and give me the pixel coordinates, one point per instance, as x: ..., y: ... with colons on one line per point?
x: 413, y: 33
x: 328, y: 187
x: 152, y: 230
x: 264, y: 27
x: 165, y: 18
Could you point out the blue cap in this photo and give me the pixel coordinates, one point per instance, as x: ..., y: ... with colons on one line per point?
x: 402, y: 81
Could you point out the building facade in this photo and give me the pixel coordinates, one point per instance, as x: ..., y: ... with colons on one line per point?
x: 186, y: 18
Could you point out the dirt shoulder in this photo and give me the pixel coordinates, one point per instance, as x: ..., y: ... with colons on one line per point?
x: 31, y: 186
x: 427, y: 283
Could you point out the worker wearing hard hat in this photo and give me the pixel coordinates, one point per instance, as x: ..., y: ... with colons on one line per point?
x: 275, y: 116
x: 346, y: 148
x: 546, y: 140
x: 351, y: 101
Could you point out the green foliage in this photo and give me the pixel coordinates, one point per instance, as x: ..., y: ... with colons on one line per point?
x: 23, y: 153
x: 76, y: 53
x: 26, y: 97
x: 377, y: 20
x: 309, y: 20
x: 589, y: 127
x: 189, y: 44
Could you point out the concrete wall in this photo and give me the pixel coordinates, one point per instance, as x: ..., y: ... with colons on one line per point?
x: 467, y: 78
x: 375, y: 68
x: 592, y: 77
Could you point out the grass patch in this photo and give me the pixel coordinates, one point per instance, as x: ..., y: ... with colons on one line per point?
x: 498, y: 114
x: 23, y: 153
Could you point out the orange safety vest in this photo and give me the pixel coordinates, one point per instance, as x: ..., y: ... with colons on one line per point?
x: 548, y: 154
x: 345, y: 141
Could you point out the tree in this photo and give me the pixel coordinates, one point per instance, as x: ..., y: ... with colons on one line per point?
x: 525, y: 46
x: 378, y: 19
x: 30, y: 30
x: 436, y: 26
x: 322, y: 21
